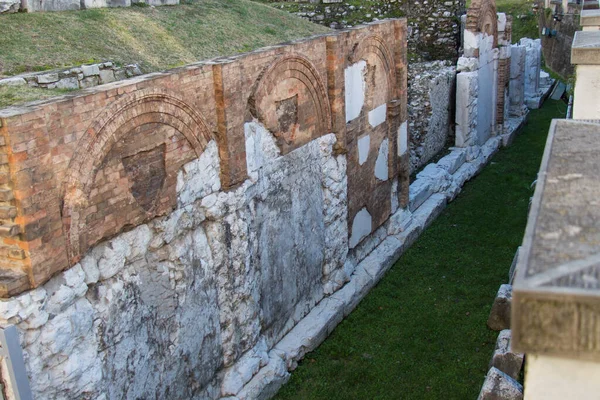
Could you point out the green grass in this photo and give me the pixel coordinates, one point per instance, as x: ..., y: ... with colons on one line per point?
x: 421, y: 333
x: 10, y: 95
x: 525, y: 22
x: 156, y: 38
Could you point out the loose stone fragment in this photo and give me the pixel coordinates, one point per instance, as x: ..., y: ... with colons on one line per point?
x: 504, y: 358
x: 500, y: 315
x: 499, y: 386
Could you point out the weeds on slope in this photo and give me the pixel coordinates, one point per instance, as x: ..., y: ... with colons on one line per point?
x: 421, y: 333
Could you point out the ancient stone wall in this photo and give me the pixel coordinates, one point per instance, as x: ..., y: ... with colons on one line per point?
x: 176, y: 226
x: 12, y: 6
x: 431, y: 100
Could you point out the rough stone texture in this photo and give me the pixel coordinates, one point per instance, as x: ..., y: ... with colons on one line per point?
x: 148, y: 286
x: 431, y: 98
x: 533, y: 61
x: 504, y: 358
x: 499, y: 386
x: 209, y: 274
x: 433, y: 29
x: 556, y: 287
x: 517, y: 81
x: 9, y: 6
x: 81, y: 77
x: 62, y: 5
x: 499, y: 318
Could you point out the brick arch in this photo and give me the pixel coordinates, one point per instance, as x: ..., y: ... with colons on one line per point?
x: 482, y: 18
x: 374, y: 44
x: 147, y: 107
x: 299, y: 76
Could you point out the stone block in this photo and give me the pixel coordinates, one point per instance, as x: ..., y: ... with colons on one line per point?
x: 15, y: 81
x: 499, y: 386
x: 399, y: 221
x: 48, y: 78
x: 429, y: 210
x: 68, y: 83
x: 107, y: 76
x: 9, y: 6
x: 453, y: 161
x: 90, y: 81
x: 52, y: 5
x: 90, y: 70
x: 419, y: 191
x: 499, y: 318
x: 504, y: 358
x: 466, y: 94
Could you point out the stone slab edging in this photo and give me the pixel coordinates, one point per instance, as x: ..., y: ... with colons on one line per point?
x: 434, y: 187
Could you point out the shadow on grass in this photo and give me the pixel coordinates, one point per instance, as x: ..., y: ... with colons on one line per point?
x: 421, y: 333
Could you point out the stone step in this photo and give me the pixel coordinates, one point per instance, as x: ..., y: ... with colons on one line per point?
x: 9, y: 230
x: 8, y: 212
x: 4, y: 178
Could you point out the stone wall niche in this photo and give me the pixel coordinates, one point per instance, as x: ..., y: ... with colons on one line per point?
x: 124, y: 171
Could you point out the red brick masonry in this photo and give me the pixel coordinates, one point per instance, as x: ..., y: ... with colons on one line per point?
x: 83, y: 167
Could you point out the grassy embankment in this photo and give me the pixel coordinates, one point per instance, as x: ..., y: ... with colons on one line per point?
x: 156, y: 38
x: 421, y: 333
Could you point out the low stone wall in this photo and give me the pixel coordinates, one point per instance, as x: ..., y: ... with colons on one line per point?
x: 12, y: 6
x: 431, y: 100
x: 82, y: 77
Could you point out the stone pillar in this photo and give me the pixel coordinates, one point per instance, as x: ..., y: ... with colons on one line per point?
x: 532, y: 70
x: 517, y: 81
x: 504, y: 54
x: 585, y: 55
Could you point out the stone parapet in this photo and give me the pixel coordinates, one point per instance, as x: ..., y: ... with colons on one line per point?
x: 586, y: 48
x: 590, y: 20
x: 556, y: 292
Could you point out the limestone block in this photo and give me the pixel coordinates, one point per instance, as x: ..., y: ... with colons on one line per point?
x: 48, y: 78
x: 15, y: 81
x: 467, y: 84
x: 453, y: 161
x: 68, y: 83
x: 52, y: 5
x: 90, y: 81
x: 464, y: 173
x: 532, y: 65
x: 107, y: 76
x: 86, y: 4
x: 516, y: 87
x: 429, y: 210
x: 504, y: 358
x: 90, y: 70
x: 499, y: 318
x: 499, y: 386
x: 419, y: 191
x: 267, y: 381
x: 438, y: 177
x: 399, y: 221
x: 9, y: 6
